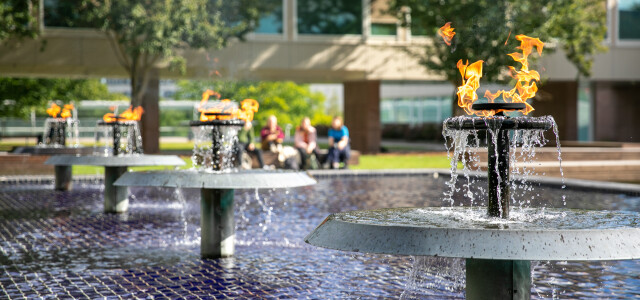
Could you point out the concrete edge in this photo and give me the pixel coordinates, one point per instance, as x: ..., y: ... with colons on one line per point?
x: 581, y: 184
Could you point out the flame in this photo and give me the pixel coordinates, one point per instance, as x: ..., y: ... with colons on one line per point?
x: 225, y: 108
x: 248, y: 107
x: 131, y: 114
x: 66, y: 111
x: 471, y: 75
x: 524, y: 89
x: 53, y: 110
x: 446, y: 32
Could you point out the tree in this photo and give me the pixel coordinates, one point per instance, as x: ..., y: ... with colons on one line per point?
x: 288, y: 101
x: 20, y: 95
x: 18, y: 19
x: 485, y: 30
x: 148, y: 34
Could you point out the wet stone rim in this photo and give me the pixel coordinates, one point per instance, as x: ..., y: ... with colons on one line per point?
x: 340, y: 232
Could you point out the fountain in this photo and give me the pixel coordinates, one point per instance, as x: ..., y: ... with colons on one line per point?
x: 498, y: 245
x: 215, y: 173
x: 123, y: 153
x: 60, y: 134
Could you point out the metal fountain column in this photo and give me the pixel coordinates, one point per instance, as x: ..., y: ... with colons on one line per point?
x: 493, y: 278
x: 217, y: 219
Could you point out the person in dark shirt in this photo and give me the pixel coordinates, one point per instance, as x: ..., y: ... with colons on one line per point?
x: 339, y: 149
x: 245, y: 141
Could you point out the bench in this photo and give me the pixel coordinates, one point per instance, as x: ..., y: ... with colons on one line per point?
x: 20, y: 164
x: 271, y: 158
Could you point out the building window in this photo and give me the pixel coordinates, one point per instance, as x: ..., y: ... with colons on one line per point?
x: 271, y: 21
x: 629, y: 19
x: 329, y: 16
x: 59, y: 13
x: 383, y: 29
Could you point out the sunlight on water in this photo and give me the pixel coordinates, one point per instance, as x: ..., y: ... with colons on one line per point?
x: 463, y: 148
x: 225, y: 138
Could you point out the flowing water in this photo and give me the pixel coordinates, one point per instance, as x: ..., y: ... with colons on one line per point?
x: 60, y: 133
x: 127, y: 138
x: 224, y: 158
x: 62, y: 244
x: 463, y: 149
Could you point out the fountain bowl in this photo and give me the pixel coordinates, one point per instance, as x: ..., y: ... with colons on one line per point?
x: 247, y: 179
x: 466, y: 232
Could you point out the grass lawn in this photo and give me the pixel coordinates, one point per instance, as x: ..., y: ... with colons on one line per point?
x: 372, y: 162
x: 93, y: 170
x: 367, y: 162
x: 402, y: 161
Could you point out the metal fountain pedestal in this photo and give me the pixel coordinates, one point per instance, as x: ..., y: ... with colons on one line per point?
x: 216, y: 197
x: 115, y: 197
x: 217, y: 189
x: 497, y: 251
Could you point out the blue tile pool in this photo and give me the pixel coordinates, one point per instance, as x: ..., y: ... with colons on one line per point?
x: 61, y: 245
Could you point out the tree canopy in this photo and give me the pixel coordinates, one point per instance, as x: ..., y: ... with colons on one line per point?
x: 18, y: 19
x: 146, y: 34
x: 20, y: 95
x: 485, y: 30
x: 288, y: 101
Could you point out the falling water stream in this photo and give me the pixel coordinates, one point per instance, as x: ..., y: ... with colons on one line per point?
x: 462, y: 149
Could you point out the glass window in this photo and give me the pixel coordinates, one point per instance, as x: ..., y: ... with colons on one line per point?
x: 383, y: 29
x: 329, y: 16
x: 418, y: 27
x: 629, y: 19
x: 271, y: 22
x: 60, y: 13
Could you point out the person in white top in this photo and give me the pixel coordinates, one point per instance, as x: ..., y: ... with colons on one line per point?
x: 306, y: 141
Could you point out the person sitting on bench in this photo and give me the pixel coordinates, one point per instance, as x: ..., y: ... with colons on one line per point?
x: 305, y: 141
x: 245, y: 142
x: 339, y: 150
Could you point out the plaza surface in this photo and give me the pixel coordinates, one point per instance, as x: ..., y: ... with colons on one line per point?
x: 61, y: 244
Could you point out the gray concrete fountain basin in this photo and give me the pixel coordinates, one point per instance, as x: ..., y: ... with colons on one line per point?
x: 532, y: 234
x: 116, y: 199
x: 216, y: 197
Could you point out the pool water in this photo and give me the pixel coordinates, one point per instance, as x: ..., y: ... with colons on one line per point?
x: 60, y: 244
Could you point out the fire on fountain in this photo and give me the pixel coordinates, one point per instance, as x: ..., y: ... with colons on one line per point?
x: 62, y: 126
x: 498, y: 246
x: 121, y: 132
x: 216, y: 172
x: 123, y: 149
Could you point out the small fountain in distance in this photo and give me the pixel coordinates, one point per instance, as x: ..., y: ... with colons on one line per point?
x: 60, y: 134
x: 498, y: 246
x: 216, y: 173
x: 123, y: 137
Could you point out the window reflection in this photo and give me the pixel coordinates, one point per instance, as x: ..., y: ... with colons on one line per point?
x: 329, y: 16
x: 383, y: 29
x: 271, y: 22
x: 629, y: 19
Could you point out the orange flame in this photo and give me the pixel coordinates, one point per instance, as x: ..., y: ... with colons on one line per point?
x: 524, y: 89
x: 64, y: 112
x: 53, y: 110
x: 225, y: 109
x: 131, y: 114
x: 471, y: 75
x: 446, y: 32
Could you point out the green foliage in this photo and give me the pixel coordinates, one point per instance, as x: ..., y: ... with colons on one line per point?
x: 22, y: 94
x: 17, y: 19
x: 145, y: 34
x: 485, y: 30
x: 288, y: 101
x: 580, y: 28
x: 329, y: 17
